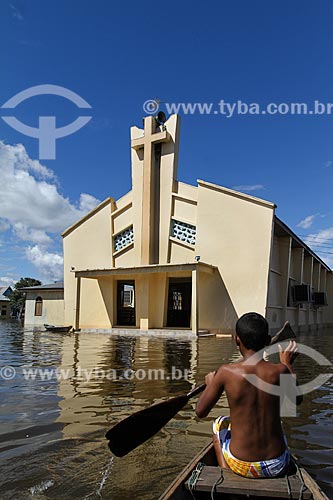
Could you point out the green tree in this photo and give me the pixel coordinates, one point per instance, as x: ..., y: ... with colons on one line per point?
x: 17, y: 298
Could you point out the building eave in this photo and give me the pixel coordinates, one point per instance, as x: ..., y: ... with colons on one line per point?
x: 300, y: 242
x: 152, y: 268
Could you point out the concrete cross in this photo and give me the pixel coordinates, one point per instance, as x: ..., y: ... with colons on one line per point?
x: 150, y: 184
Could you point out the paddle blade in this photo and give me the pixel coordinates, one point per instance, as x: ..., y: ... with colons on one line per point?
x: 286, y: 333
x: 142, y: 425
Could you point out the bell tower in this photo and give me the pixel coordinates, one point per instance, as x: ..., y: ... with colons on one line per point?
x: 154, y: 170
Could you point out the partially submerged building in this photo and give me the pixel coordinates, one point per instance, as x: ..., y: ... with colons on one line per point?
x: 44, y: 304
x: 169, y: 255
x: 5, y: 309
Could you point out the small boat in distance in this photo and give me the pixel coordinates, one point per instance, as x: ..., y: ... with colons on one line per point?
x: 203, y: 479
x: 58, y: 329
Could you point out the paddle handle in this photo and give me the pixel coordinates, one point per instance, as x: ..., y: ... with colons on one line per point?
x: 196, y: 391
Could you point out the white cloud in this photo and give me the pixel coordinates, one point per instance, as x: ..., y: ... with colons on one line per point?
x: 323, y: 237
x: 249, y: 188
x: 35, y: 210
x: 29, y: 194
x: 307, y: 222
x: 328, y: 163
x: 30, y: 234
x: 7, y: 281
x: 49, y: 264
x: 322, y: 244
x: 87, y: 202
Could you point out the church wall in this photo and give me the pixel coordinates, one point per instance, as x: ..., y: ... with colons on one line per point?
x: 187, y: 191
x: 96, y: 303
x: 185, y: 211
x: 87, y: 246
x: 123, y: 220
x: 278, y: 281
x: 52, y: 309
x: 234, y: 234
x: 180, y: 254
x: 125, y: 258
x: 216, y: 312
x: 157, y: 300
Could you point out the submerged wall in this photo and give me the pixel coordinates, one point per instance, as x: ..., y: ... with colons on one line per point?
x: 52, y: 308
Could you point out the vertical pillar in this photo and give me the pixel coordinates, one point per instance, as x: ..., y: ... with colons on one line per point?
x: 77, y: 304
x: 144, y: 302
x: 194, y: 305
x: 299, y: 265
x: 285, y: 256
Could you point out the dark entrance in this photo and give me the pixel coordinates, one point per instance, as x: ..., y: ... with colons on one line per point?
x: 126, y: 303
x: 179, y: 302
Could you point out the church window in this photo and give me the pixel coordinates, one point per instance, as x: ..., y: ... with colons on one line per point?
x: 184, y: 232
x: 121, y: 240
x: 39, y: 306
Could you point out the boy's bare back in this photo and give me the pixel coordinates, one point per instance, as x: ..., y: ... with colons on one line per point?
x: 255, y: 414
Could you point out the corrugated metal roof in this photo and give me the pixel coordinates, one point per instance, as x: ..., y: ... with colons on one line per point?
x: 59, y: 285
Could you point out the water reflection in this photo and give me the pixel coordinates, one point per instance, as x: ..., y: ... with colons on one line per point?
x: 65, y: 418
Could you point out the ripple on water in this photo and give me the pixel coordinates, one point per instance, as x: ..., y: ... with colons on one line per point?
x: 52, y: 434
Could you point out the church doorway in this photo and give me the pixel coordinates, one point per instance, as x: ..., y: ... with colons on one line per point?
x: 179, y: 303
x: 126, y: 303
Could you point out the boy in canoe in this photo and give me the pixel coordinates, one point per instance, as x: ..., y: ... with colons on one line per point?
x: 256, y: 438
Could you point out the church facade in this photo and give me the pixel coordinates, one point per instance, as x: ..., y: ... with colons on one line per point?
x: 176, y: 256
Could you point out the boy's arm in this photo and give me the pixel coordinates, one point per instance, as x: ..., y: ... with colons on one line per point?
x: 287, y: 357
x: 212, y: 393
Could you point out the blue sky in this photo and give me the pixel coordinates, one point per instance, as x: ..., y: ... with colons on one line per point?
x: 116, y: 55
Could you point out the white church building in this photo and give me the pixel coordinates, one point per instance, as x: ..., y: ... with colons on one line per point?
x: 170, y: 255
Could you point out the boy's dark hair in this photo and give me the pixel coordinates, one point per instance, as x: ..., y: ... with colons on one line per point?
x: 252, y: 329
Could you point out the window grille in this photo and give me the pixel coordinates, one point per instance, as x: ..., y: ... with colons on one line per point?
x: 184, y: 232
x: 121, y: 240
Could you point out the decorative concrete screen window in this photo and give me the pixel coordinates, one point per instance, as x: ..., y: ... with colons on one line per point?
x: 121, y: 240
x: 184, y: 232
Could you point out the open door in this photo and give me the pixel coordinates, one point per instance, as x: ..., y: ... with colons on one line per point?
x: 126, y: 303
x: 179, y: 303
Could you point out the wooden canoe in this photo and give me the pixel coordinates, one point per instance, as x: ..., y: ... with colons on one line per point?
x: 58, y: 329
x: 234, y: 487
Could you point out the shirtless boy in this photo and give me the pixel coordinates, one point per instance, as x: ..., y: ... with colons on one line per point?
x: 256, y: 438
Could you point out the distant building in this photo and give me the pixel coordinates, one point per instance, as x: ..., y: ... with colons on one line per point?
x: 44, y: 304
x: 169, y: 255
x: 5, y: 309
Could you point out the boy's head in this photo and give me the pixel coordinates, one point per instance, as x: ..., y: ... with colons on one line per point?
x: 252, y: 331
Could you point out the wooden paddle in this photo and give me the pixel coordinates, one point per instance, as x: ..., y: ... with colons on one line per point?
x: 134, y: 430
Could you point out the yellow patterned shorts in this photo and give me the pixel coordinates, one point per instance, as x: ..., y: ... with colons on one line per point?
x: 263, y: 469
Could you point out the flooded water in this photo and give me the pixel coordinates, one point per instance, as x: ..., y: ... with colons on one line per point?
x: 53, y: 421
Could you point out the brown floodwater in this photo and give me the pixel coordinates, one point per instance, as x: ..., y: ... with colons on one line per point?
x: 53, y: 421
